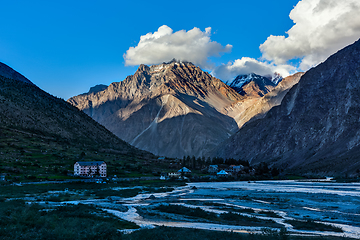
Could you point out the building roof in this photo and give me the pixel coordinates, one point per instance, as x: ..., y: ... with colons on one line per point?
x: 222, y: 172
x: 184, y: 169
x: 90, y: 163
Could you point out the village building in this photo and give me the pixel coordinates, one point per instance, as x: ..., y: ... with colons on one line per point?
x: 184, y: 170
x: 213, y: 169
x: 3, y: 177
x: 174, y: 175
x: 222, y: 173
x: 90, y: 169
x: 234, y: 168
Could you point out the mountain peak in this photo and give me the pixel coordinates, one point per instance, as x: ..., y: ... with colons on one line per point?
x: 97, y: 88
x: 252, y: 85
x: 175, y: 61
x: 162, y: 67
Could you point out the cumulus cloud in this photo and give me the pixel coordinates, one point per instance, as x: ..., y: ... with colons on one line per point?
x: 163, y: 45
x: 321, y: 27
x: 248, y: 65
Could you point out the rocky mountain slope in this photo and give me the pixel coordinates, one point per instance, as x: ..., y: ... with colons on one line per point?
x: 171, y: 109
x: 27, y: 109
x: 271, y: 99
x: 175, y: 109
x: 316, y: 127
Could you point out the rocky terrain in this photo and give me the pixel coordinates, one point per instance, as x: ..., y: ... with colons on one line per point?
x: 316, y: 127
x: 271, y: 99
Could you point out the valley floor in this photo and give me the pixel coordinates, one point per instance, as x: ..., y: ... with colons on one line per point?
x: 308, y: 209
x: 311, y: 208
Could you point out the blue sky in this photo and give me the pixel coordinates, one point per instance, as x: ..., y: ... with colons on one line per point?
x: 65, y: 47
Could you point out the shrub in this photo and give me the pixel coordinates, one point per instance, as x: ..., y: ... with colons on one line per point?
x: 314, y: 226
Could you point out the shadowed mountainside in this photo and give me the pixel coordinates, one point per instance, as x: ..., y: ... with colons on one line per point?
x: 25, y: 107
x: 316, y: 127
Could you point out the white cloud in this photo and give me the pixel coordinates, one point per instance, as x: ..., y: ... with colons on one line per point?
x: 321, y: 28
x: 248, y: 65
x: 163, y: 45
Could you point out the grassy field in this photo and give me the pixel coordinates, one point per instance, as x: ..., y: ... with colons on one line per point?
x: 80, y: 189
x: 224, y: 218
x: 314, y: 226
x: 31, y: 221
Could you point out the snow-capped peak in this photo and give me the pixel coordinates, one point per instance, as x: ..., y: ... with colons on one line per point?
x: 240, y: 80
x: 276, y: 78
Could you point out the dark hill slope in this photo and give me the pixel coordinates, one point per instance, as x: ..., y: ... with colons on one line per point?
x: 317, y: 126
x: 25, y: 107
x: 8, y: 72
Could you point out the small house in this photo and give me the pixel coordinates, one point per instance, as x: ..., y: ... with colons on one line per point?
x: 213, y: 169
x: 235, y: 169
x: 90, y: 169
x: 174, y: 175
x: 184, y: 170
x: 222, y: 173
x: 3, y: 177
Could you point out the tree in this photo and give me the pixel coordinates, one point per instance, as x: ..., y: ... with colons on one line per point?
x: 187, y: 162
x: 193, y: 162
x: 262, y: 169
x: 275, y: 172
x: 82, y: 155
